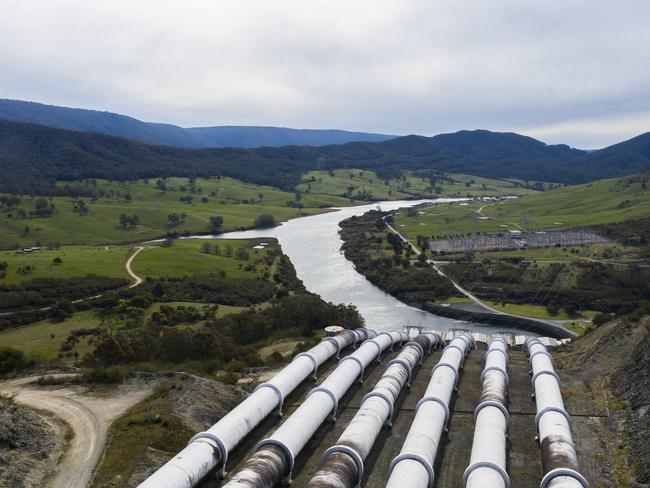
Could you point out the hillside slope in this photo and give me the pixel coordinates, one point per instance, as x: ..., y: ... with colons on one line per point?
x: 33, y: 156
x: 172, y: 135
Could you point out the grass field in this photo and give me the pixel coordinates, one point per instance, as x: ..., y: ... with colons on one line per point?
x: 42, y: 339
x: 603, y: 201
x: 350, y: 183
x: 185, y: 258
x: 528, y: 310
x: 76, y: 261
x: 225, y: 197
x: 196, y: 201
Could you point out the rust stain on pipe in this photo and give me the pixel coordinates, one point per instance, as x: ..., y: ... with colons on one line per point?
x: 264, y: 469
x: 558, y: 452
x: 338, y: 471
x: 494, y: 388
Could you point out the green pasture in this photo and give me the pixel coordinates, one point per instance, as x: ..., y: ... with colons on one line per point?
x: 348, y: 183
x: 238, y: 203
x: 599, y: 202
x: 75, y: 261
x: 185, y: 258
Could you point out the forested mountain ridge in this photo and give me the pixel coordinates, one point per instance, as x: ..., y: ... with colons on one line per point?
x: 172, y: 135
x: 32, y: 157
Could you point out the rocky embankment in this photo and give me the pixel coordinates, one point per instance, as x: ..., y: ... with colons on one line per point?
x: 632, y: 383
x: 199, y: 404
x: 30, y: 446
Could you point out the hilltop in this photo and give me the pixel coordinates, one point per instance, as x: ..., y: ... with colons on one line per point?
x: 113, y: 124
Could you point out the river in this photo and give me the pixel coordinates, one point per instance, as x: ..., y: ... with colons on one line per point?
x: 314, y: 246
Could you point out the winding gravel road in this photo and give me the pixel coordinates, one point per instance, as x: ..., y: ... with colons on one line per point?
x: 89, y: 415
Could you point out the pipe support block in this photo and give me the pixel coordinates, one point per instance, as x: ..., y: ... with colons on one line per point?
x: 220, y: 446
x: 414, y: 457
x: 432, y: 398
x: 331, y: 395
x: 278, y: 393
x: 486, y: 464
x: 386, y: 398
x: 358, y: 361
x: 554, y: 473
x: 356, y: 457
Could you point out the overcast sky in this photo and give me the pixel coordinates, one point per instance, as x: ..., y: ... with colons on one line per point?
x: 565, y: 71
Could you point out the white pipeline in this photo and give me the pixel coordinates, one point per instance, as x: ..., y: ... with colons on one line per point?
x: 274, y: 457
x: 559, y: 458
x: 487, y: 468
x: 342, y: 465
x: 209, y: 450
x: 413, y: 467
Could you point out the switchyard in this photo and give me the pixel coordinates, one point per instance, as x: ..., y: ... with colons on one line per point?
x: 521, y: 456
x: 515, y: 240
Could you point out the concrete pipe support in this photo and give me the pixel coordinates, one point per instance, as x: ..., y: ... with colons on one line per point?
x: 209, y: 450
x: 553, y: 423
x: 413, y: 467
x: 342, y: 465
x: 274, y: 457
x: 487, y: 468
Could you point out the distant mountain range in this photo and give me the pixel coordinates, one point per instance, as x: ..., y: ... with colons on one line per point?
x: 33, y: 157
x: 171, y: 135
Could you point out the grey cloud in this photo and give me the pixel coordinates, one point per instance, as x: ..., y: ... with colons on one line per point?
x: 563, y: 70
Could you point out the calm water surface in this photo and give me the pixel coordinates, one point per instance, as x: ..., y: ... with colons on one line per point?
x: 314, y: 247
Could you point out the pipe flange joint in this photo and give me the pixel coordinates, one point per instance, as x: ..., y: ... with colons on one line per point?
x: 462, y: 352
x: 417, y: 346
x: 356, y: 457
x: 543, y: 353
x: 358, y: 335
x: 386, y: 398
x: 467, y: 339
x: 390, y: 337
x: 278, y: 393
x: 554, y: 473
x: 533, y: 340
x: 434, y: 339
x: 377, y: 345
x: 218, y: 444
x: 447, y: 365
x: 414, y: 457
x: 495, y: 368
x: 310, y: 356
x: 331, y: 395
x: 432, y: 398
x: 358, y: 361
x: 336, y: 343
x: 405, y: 336
x: 405, y: 363
x: 492, y: 403
x: 499, y: 338
x: 491, y: 350
x: 543, y: 372
x: 545, y: 410
x: 288, y: 455
x: 486, y: 464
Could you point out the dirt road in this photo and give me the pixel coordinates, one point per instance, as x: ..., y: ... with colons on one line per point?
x: 88, y: 414
x: 136, y: 278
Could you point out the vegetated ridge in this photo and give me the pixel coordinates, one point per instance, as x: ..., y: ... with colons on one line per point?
x: 172, y: 135
x: 32, y: 157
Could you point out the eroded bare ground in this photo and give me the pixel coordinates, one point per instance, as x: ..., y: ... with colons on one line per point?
x: 87, y: 413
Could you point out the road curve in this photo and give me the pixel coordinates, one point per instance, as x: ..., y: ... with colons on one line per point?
x: 87, y: 415
x: 136, y: 279
x: 551, y: 323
